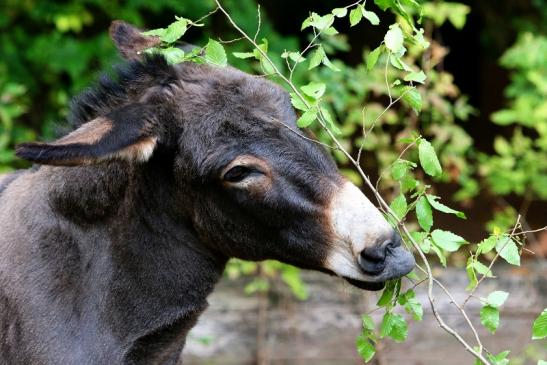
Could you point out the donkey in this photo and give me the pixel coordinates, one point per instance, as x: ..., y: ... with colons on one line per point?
x: 111, y: 244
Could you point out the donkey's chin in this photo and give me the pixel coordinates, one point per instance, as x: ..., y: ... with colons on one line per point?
x: 366, y: 285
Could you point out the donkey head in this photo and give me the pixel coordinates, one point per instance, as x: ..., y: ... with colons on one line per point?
x: 254, y: 186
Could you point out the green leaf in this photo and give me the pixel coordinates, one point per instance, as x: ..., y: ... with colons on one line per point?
x: 368, y: 323
x: 173, y: 55
x: 294, y: 56
x: 399, y: 169
x: 215, y: 53
x: 298, y: 103
x: 471, y: 275
x: 399, y: 206
x: 291, y: 277
x: 385, y: 4
x: 371, y: 16
x: 394, y: 38
x: 408, y: 183
x: 372, y: 58
x: 428, y: 158
x: 447, y: 240
x: 339, y: 12
x: 365, y: 348
x: 316, y: 57
x: 175, y: 30
x: 432, y: 199
x: 418, y: 236
x: 314, y: 89
x: 508, y: 250
x: 440, y: 254
x: 425, y: 245
x: 499, y: 359
x: 306, y: 23
x: 330, y: 65
x: 490, y: 318
x: 481, y: 268
x: 413, y: 98
x: 387, y: 294
x: 397, y: 61
x: 266, y: 66
x: 155, y: 32
x: 539, y: 328
x: 355, y: 16
x: 243, y: 55
x: 307, y: 118
x: 330, y: 121
x: 487, y: 245
x: 394, y: 326
x: 322, y: 22
x: 424, y: 213
x: 497, y: 298
x: 416, y: 77
x: 411, y: 305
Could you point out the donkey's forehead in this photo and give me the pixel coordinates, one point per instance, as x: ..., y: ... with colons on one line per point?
x: 230, y: 93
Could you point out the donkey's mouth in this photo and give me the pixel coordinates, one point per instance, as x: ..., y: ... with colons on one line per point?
x: 366, y: 285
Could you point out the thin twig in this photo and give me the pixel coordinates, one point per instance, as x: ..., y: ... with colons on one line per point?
x: 259, y: 23
x: 302, y: 136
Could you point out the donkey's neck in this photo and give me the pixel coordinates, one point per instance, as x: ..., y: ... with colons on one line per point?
x: 130, y: 227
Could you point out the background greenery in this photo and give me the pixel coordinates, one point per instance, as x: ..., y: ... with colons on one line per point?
x: 483, y: 106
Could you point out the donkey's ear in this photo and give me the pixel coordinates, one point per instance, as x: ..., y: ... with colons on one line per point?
x: 128, y: 133
x: 129, y: 40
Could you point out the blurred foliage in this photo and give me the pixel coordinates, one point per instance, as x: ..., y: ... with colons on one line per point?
x: 50, y: 50
x: 519, y: 165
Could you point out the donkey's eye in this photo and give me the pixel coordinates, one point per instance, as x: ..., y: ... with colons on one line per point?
x: 238, y: 173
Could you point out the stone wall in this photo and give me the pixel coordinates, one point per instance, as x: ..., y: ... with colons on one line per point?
x: 277, y: 329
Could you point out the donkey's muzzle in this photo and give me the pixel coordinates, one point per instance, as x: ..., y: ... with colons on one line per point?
x: 386, y: 260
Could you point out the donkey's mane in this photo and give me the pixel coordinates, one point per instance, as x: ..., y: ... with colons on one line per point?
x: 122, y: 86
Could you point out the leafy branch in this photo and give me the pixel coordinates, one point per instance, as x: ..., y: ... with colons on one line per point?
x: 308, y: 99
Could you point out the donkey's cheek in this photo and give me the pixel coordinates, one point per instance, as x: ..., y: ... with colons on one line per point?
x: 355, y: 223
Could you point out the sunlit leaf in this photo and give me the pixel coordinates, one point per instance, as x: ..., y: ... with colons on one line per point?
x: 433, y: 200
x: 340, y: 12
x: 368, y: 322
x: 314, y: 89
x: 428, y: 158
x: 355, y: 16
x: 371, y: 16
x: 424, y: 213
x: 497, y: 298
x: 307, y: 118
x: 490, y: 318
x: 173, y: 55
x: 243, y: 55
x: 413, y: 98
x: 416, y: 77
x: 394, y: 38
x: 508, y: 250
x: 539, y: 328
x: 215, y: 53
x: 365, y: 348
x: 447, y: 240
x: 399, y: 206
x: 394, y: 326
x: 316, y: 57
x: 372, y: 58
x: 174, y: 31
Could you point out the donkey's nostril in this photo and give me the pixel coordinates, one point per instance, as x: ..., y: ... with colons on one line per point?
x: 373, y: 259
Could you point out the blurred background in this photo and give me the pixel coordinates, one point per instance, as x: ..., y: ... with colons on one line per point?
x: 485, y: 111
